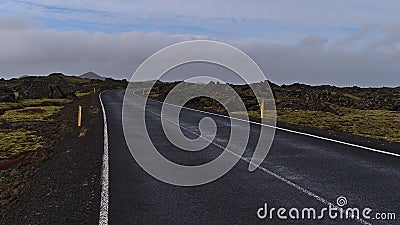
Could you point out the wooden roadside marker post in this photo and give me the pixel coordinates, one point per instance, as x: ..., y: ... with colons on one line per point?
x: 262, y: 109
x: 79, y: 115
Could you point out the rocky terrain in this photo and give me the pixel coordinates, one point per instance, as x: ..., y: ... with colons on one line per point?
x: 306, y: 97
x: 62, y: 175
x: 55, y: 85
x: 300, y: 96
x: 367, y: 112
x: 38, y: 133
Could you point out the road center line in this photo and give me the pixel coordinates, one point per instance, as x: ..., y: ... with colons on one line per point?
x: 269, y: 172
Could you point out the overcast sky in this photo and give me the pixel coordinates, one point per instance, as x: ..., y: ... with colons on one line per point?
x: 341, y: 42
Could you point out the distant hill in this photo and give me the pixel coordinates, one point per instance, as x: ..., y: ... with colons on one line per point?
x: 92, y: 76
x: 55, y: 85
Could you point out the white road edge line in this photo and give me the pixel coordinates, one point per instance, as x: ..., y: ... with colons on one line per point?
x: 103, y: 217
x: 287, y: 130
x: 269, y: 172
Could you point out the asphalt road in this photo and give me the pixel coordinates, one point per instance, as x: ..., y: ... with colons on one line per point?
x: 299, y: 172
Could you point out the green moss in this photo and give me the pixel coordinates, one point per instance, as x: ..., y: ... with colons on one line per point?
x: 34, y: 102
x: 154, y: 95
x: 81, y: 94
x: 352, y: 97
x: 30, y: 114
x: 45, y: 102
x: 9, y: 105
x: 13, y: 142
x: 381, y: 124
x: 268, y: 114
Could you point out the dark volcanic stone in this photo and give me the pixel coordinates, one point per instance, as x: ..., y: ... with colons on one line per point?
x: 6, y: 95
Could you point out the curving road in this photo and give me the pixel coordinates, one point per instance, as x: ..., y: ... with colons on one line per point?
x: 299, y: 172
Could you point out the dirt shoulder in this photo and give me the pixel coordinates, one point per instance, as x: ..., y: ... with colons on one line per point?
x: 60, y: 184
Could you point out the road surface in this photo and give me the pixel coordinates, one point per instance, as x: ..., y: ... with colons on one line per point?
x: 299, y: 172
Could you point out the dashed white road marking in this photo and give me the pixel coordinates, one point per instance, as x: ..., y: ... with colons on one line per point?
x: 103, y: 217
x: 269, y: 172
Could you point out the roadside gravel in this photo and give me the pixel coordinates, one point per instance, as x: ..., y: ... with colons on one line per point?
x: 65, y: 187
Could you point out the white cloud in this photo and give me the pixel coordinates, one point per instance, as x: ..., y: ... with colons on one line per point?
x: 313, y: 41
x: 308, y: 11
x: 342, y: 42
x: 30, y: 50
x: 261, y: 18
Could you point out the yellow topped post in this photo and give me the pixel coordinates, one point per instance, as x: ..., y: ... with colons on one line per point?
x: 79, y: 115
x: 262, y: 109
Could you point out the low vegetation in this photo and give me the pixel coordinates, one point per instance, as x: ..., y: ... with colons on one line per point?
x: 9, y: 105
x: 30, y: 114
x: 13, y: 142
x: 31, y: 124
x: 19, y: 130
x: 27, y: 105
x: 367, y: 112
x: 34, y: 102
x: 81, y: 94
x: 380, y: 124
x: 45, y: 102
x: 16, y: 134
